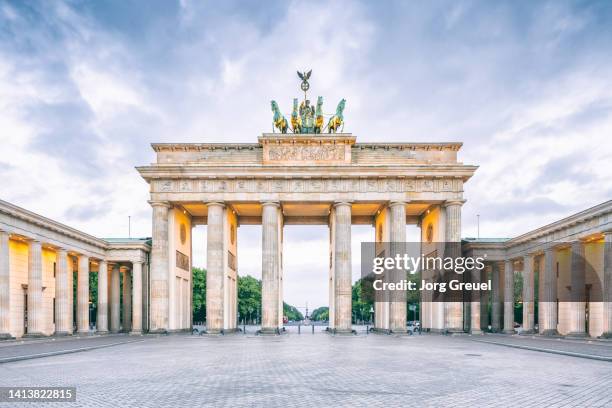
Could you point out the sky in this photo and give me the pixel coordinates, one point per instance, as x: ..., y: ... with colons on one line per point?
x: 86, y: 86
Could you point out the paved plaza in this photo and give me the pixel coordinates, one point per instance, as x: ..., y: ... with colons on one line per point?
x: 318, y: 370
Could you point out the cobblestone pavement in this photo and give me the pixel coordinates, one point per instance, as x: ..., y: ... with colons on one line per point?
x: 317, y: 370
x: 584, y: 347
x: 39, y: 347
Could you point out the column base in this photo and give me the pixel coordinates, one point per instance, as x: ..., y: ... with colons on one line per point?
x: 269, y: 331
x: 83, y: 333
x: 136, y: 333
x: 509, y: 331
x: 157, y: 331
x: 344, y: 332
x: 527, y: 332
x: 35, y: 335
x: 102, y: 332
x: 62, y: 334
x: 549, y: 332
x: 606, y: 335
x: 455, y: 330
x: 6, y: 336
x: 495, y: 330
x: 576, y: 335
x: 377, y: 330
x: 476, y: 332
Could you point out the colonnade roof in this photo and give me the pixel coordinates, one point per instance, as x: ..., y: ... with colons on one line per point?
x: 589, y: 224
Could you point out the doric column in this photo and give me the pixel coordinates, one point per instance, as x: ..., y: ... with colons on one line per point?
x: 548, y: 295
x: 127, y: 301
x: 35, y: 305
x: 136, y: 298
x: 102, y: 320
x: 453, y: 307
x: 509, y: 297
x: 484, y: 300
x: 607, y: 285
x: 71, y: 319
x: 397, y: 238
x: 342, y: 266
x: 528, y: 295
x: 577, y: 306
x: 83, y: 296
x: 5, y: 293
x: 159, y: 268
x: 475, y: 327
x: 62, y: 295
x: 115, y: 287
x: 496, y: 273
x: 215, y: 269
x: 270, y: 267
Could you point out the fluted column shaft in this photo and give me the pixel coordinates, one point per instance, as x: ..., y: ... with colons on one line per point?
x: 35, y: 305
x: 342, y: 267
x: 453, y: 307
x: 496, y: 273
x: 270, y: 267
x: 102, y: 320
x: 159, y: 307
x: 215, y: 270
x: 137, y: 298
x: 115, y: 287
x: 528, y: 294
x: 509, y: 297
x: 397, y: 238
x: 475, y: 327
x: 71, y: 314
x: 5, y: 293
x: 548, y: 295
x: 127, y: 301
x: 62, y: 295
x: 484, y: 300
x: 83, y: 295
x: 607, y: 285
x: 577, y: 305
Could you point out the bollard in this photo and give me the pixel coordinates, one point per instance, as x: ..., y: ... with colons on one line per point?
x: 313, y: 329
x: 299, y: 329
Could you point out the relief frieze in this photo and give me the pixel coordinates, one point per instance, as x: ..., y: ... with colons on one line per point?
x: 308, y: 185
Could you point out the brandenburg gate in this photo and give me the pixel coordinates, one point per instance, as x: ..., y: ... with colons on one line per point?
x: 299, y: 178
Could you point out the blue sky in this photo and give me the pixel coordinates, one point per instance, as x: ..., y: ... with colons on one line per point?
x: 85, y: 87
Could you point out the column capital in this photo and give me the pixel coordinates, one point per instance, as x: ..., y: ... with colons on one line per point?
x: 449, y: 203
x: 342, y: 203
x: 395, y: 203
x: 270, y: 203
x: 160, y: 204
x: 215, y: 204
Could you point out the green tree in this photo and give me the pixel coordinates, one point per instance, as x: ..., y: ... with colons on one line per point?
x: 199, y: 294
x: 320, y: 314
x: 361, y: 303
x: 249, y: 297
x: 291, y: 312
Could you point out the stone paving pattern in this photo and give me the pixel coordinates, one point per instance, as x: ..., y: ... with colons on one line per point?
x: 317, y: 370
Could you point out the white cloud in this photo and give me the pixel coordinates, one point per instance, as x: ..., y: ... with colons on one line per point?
x: 82, y: 96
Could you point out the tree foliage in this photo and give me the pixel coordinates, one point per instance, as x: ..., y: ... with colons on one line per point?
x: 199, y: 294
x: 320, y: 314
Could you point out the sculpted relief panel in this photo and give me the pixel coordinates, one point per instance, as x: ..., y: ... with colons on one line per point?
x: 316, y: 185
x: 306, y: 153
